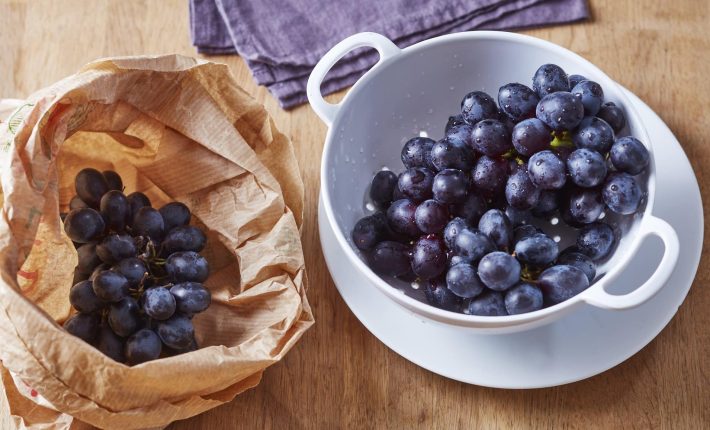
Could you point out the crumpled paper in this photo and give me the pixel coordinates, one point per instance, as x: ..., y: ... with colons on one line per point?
x: 174, y: 128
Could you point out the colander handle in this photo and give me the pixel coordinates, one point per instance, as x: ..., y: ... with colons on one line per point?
x: 327, y: 111
x: 650, y: 226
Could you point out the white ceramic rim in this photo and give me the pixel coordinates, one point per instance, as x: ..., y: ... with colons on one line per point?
x: 596, y: 294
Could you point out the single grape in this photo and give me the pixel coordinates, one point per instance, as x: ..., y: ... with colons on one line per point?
x: 84, y: 225
x: 571, y: 257
x: 136, y: 201
x: 187, y: 266
x: 537, y: 249
x: 472, y: 244
x: 575, y: 79
x: 451, y: 154
x: 98, y: 269
x: 438, y: 295
x: 547, y: 171
x: 367, y: 233
x: 622, y: 194
x: 530, y: 136
x: 158, y: 303
x: 471, y: 209
x: 560, y: 283
x: 113, y: 180
x: 114, y: 209
x: 172, y: 351
x: 174, y: 214
x: 431, y: 216
x: 416, y: 183
x: 591, y: 94
x: 191, y: 297
x: 629, y: 155
x: 489, y: 304
x: 77, y: 203
x: 595, y: 134
x: 110, y: 344
x: 176, y: 332
x: 460, y: 135
x: 520, y: 192
x: 546, y: 205
x: 143, y: 346
x: 462, y: 280
x: 561, y: 111
x: 491, y: 137
x: 429, y: 257
x: 390, y: 258
x: 550, y: 78
x: 83, y: 298
x: 124, y: 317
x: 148, y: 223
x: 90, y: 186
x: 83, y: 326
x: 613, y: 115
x: 489, y: 174
x: 452, y: 230
x: 454, y: 121
x: 417, y: 152
x: 183, y: 238
x: 524, y: 230
x: 477, y: 106
x: 496, y: 225
x: 133, y: 269
x: 518, y: 216
x: 382, y: 187
x: 499, y: 270
x: 585, y: 205
x: 450, y: 186
x: 517, y: 101
x: 110, y: 286
x: 596, y: 240
x: 401, y: 217
x: 88, y: 260
x: 586, y: 168
x: 116, y: 247
x: 523, y: 298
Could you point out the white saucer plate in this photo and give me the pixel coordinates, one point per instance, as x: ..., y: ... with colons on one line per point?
x: 585, y: 343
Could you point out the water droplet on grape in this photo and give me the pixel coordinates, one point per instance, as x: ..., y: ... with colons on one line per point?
x: 554, y: 220
x: 614, y: 187
x: 370, y: 207
x: 557, y: 239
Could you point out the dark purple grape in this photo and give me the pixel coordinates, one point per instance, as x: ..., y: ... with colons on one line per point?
x: 472, y: 244
x: 429, y: 257
x: 491, y: 137
x: 595, y: 134
x: 560, y: 283
x: 116, y: 247
x: 174, y: 214
x: 401, y: 217
x: 98, y: 269
x: 561, y: 111
x: 368, y: 232
x: 597, y: 241
x: 187, y: 266
x: 571, y: 257
x: 458, y: 259
x: 83, y: 298
x: 452, y: 230
x: 417, y: 152
x: 537, y: 249
x: 83, y: 326
x: 172, y: 351
x: 546, y: 204
x: 451, y: 154
x: 450, y: 186
x: 520, y: 192
x: 110, y: 344
x: 84, y: 225
x: 523, y: 298
x: 148, y: 223
x: 613, y: 115
x: 124, y: 317
x: 489, y: 304
x: 191, y: 297
x: 438, y: 295
x: 113, y: 180
x: 183, y: 238
x: 518, y: 216
x: 382, y: 187
x: 622, y: 194
x: 158, y: 303
x: 137, y: 201
x: 525, y: 230
x: 517, y: 101
x: 90, y: 186
x: 454, y: 121
x: 575, y: 79
x: 110, y: 286
x: 530, y: 136
x: 416, y: 183
x: 472, y: 208
x: 176, y: 332
x: 77, y: 203
x: 585, y: 205
x: 431, y: 216
x: 477, y: 106
x: 629, y: 155
x: 115, y: 210
x: 505, y: 119
x: 547, y: 171
x: 586, y: 168
x: 550, y: 78
x: 496, y: 225
x: 499, y: 270
x: 390, y: 258
x: 591, y: 94
x: 397, y: 194
x: 462, y: 280
x: 460, y: 135
x: 143, y: 346
x: 80, y: 276
x: 490, y: 174
x: 88, y: 260
x: 133, y: 269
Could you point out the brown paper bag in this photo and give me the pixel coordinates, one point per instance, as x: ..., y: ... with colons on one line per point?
x: 175, y: 128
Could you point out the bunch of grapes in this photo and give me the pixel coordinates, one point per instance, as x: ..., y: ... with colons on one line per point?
x: 139, y: 278
x: 460, y: 217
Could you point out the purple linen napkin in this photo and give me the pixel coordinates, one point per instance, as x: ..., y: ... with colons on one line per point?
x: 281, y: 40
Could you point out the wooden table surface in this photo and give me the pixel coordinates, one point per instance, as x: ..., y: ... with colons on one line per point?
x: 342, y: 376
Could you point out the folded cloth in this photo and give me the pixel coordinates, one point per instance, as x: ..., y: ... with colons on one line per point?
x: 282, y: 40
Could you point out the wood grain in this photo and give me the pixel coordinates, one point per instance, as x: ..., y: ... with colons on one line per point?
x: 340, y: 376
